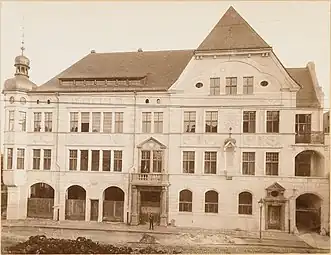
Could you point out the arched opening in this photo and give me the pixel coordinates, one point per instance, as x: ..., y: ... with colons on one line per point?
x: 75, y: 203
x: 185, y: 201
x: 41, y: 201
x: 211, y: 202
x: 308, y: 213
x: 245, y: 203
x: 309, y: 163
x: 113, y: 204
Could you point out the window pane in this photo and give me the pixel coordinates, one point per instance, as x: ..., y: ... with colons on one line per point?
x: 96, y: 119
x: 85, y: 122
x: 107, y: 122
x: 48, y: 121
x: 95, y: 160
x: 118, y: 122
x: 117, y: 161
x: 106, y: 160
x: 47, y: 159
x: 74, y: 122
x: 84, y: 160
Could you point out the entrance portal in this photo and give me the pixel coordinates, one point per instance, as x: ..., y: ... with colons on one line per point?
x: 274, y: 217
x: 150, y: 202
x: 41, y: 201
x: 113, y: 204
x: 75, y: 203
x: 308, y: 213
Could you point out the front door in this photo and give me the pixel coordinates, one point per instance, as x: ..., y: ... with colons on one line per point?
x: 274, y: 216
x: 94, y: 209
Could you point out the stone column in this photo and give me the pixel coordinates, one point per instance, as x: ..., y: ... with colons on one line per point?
x: 87, y: 209
x: 164, y: 213
x: 134, y: 215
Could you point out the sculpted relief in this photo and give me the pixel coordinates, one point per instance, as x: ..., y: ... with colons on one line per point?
x: 263, y: 140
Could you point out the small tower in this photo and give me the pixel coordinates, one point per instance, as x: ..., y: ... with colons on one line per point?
x: 22, y: 63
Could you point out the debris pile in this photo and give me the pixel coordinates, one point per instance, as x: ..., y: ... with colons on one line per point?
x: 40, y: 244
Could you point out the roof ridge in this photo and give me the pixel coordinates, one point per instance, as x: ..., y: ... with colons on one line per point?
x: 148, y: 51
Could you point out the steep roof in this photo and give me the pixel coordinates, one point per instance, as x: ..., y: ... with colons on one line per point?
x: 306, y: 96
x: 232, y: 32
x: 161, y: 69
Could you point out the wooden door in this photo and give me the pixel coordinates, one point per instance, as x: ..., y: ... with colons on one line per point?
x: 274, y: 217
x: 94, y: 209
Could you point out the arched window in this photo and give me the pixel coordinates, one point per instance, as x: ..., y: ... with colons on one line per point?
x: 211, y: 202
x: 245, y: 203
x: 185, y: 201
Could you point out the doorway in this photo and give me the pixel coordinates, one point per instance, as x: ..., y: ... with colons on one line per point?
x: 150, y: 202
x: 94, y: 210
x: 274, y: 217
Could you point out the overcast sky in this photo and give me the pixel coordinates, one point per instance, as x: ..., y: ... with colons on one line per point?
x: 57, y: 34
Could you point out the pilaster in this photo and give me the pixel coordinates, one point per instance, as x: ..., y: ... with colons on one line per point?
x: 164, y: 213
x: 134, y: 215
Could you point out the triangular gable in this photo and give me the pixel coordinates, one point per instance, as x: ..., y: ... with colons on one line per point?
x: 275, y: 186
x: 232, y: 32
x: 150, y: 143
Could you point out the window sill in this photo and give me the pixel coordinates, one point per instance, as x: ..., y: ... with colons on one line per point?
x: 185, y: 212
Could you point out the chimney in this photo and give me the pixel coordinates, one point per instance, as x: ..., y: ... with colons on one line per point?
x: 140, y: 50
x: 92, y: 51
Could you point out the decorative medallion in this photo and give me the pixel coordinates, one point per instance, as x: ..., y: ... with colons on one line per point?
x: 23, y: 100
x: 11, y: 100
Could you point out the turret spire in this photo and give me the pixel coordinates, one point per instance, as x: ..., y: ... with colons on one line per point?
x: 22, y: 47
x: 22, y: 63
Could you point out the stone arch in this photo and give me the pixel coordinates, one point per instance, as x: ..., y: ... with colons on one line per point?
x: 308, y: 212
x: 41, y: 201
x: 75, y: 207
x: 309, y: 163
x: 113, y: 204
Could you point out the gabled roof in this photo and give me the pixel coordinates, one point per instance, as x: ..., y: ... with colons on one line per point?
x: 161, y: 69
x: 152, y: 140
x: 306, y: 96
x: 232, y: 32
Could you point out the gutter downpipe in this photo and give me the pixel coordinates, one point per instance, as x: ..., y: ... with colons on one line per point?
x: 58, y: 179
x: 133, y: 157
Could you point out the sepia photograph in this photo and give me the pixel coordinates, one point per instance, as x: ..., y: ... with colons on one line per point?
x: 154, y: 127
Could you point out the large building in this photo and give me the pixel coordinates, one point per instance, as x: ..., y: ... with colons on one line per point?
x: 202, y: 138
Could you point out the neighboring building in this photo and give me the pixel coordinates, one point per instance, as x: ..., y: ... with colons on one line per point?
x: 196, y: 136
x: 326, y: 122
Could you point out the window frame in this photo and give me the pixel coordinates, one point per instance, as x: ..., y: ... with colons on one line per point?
x: 10, y: 158
x: 231, y: 85
x: 96, y: 122
x: 190, y: 122
x: 85, y: 120
x: 158, y: 122
x: 214, y: 86
x: 73, y: 160
x: 209, y: 161
x: 272, y: 122
x: 118, y: 161
x: 74, y: 118
x: 146, y: 121
x: 119, y: 121
x: 36, y: 159
x: 209, y: 121
x: 211, y: 207
x: 107, y: 122
x: 271, y: 164
x: 185, y: 205
x: 95, y: 160
x: 11, y: 120
x: 47, y: 160
x: 48, y: 121
x: 251, y: 123
x: 20, y: 158
x: 188, y: 161
x: 22, y: 121
x: 248, y: 88
x: 249, y: 162
x: 244, y: 207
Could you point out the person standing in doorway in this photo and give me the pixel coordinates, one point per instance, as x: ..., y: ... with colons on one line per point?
x: 151, y: 221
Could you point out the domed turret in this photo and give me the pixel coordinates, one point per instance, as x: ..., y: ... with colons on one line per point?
x: 21, y: 80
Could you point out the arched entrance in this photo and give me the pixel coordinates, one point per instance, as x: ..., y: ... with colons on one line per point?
x: 75, y: 203
x: 308, y: 213
x: 113, y: 204
x: 309, y: 163
x: 41, y: 201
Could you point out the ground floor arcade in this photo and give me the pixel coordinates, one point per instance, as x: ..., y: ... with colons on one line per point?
x: 303, y: 211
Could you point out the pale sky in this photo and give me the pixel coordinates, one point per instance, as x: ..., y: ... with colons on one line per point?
x: 57, y: 34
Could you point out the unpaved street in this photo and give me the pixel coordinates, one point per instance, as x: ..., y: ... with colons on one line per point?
x: 187, y: 243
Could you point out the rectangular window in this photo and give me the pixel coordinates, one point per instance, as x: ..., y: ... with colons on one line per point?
x: 215, y: 84
x: 22, y: 121
x: 10, y: 158
x: 117, y: 161
x: 95, y: 160
x: 48, y: 121
x: 146, y: 122
x: 157, y: 161
x: 74, y: 122
x: 158, y: 122
x: 189, y: 122
x: 84, y: 160
x: 47, y: 159
x: 188, y: 161
x: 272, y: 163
x: 96, y: 119
x: 73, y: 160
x: 210, y: 162
x: 118, y: 122
x: 211, y: 122
x: 20, y: 158
x: 37, y: 121
x: 36, y: 159
x: 11, y: 120
x: 248, y: 163
x: 231, y: 85
x: 248, y: 85
x: 145, y: 163
x: 106, y: 156
x: 249, y: 120
x: 272, y: 121
x: 85, y: 122
x: 107, y: 122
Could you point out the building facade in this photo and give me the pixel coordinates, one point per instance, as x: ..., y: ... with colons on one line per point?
x: 198, y: 137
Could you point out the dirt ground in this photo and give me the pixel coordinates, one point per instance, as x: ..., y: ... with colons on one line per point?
x: 187, y: 243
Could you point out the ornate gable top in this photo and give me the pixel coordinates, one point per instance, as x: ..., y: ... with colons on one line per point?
x: 275, y: 186
x: 151, y: 143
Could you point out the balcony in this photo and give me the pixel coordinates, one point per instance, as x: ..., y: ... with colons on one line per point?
x: 150, y: 179
x: 314, y: 137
